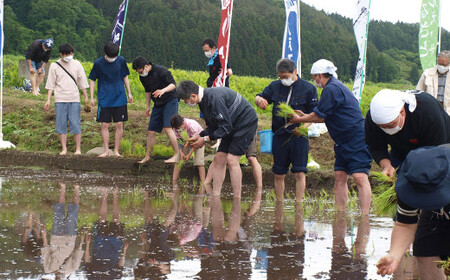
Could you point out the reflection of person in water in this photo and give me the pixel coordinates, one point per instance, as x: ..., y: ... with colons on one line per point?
x: 109, y: 244
x: 349, y: 264
x: 287, y: 252
x: 156, y: 252
x: 230, y: 256
x: 32, y: 239
x: 62, y: 256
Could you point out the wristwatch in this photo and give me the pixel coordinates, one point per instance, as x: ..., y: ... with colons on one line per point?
x: 205, y: 138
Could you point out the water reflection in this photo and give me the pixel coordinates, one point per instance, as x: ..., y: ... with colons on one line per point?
x: 345, y: 263
x: 140, y: 233
x: 109, y: 245
x: 286, y: 255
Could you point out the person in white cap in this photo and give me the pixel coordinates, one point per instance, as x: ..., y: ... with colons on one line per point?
x: 340, y: 111
x: 436, y: 80
x: 405, y: 121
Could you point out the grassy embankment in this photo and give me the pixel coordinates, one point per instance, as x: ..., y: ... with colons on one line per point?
x: 29, y: 127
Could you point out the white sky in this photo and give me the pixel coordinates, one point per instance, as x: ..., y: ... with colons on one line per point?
x: 386, y: 10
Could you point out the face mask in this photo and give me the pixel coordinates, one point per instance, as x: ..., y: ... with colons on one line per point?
x: 68, y: 58
x: 111, y: 59
x: 287, y: 82
x: 392, y: 131
x: 442, y: 69
x: 143, y: 74
x: 191, y: 104
x: 209, y: 54
x: 179, y: 130
x: 319, y: 85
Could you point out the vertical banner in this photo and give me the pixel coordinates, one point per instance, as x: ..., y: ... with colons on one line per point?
x: 361, y: 28
x: 291, y: 39
x: 223, y: 43
x: 119, y: 24
x: 428, y: 33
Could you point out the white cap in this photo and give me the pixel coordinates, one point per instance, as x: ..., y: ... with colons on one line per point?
x: 324, y: 66
x: 386, y: 105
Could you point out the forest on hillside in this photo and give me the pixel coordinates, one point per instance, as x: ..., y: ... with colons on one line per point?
x: 170, y: 32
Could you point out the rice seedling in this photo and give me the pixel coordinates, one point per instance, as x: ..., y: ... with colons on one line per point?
x: 385, y: 201
x: 285, y: 111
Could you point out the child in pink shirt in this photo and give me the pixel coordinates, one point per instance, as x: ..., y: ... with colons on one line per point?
x: 192, y: 128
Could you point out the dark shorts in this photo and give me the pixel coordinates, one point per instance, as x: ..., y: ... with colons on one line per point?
x: 432, y: 235
x: 160, y: 116
x: 252, y: 150
x: 110, y: 229
x: 238, y: 142
x: 289, y: 149
x: 352, y: 156
x: 114, y: 114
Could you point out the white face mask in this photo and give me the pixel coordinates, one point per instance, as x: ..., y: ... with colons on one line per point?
x: 191, y: 104
x: 442, y: 69
x: 68, y: 58
x: 111, y: 59
x: 144, y: 74
x: 394, y: 130
x: 209, y: 54
x: 391, y: 131
x: 287, y: 82
x: 319, y: 85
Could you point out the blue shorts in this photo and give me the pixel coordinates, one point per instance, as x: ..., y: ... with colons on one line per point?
x: 68, y: 112
x: 37, y: 65
x: 353, y: 156
x: 160, y: 116
x: 289, y: 149
x: 63, y: 225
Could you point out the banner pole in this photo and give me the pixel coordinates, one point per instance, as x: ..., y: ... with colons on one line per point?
x: 123, y: 27
x: 439, y: 29
x: 299, y: 62
x: 365, y: 53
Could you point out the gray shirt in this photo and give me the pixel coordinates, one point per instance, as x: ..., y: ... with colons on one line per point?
x: 441, y: 87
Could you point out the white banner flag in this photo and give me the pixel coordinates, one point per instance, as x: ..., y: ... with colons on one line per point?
x: 361, y: 28
x: 291, y: 39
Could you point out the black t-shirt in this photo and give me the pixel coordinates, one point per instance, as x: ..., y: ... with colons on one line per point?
x: 214, y: 71
x: 428, y: 125
x: 36, y: 53
x: 158, y: 78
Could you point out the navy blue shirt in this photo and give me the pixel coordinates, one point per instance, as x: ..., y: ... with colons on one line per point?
x: 111, y: 90
x: 340, y: 110
x: 304, y: 97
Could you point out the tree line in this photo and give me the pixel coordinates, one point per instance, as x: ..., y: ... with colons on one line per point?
x: 170, y: 32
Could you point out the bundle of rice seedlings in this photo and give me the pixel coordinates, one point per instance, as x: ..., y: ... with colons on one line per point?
x: 446, y: 266
x: 385, y: 201
x: 301, y: 130
x: 285, y: 111
x: 184, y: 138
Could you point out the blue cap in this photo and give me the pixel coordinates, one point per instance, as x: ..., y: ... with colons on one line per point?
x: 48, y: 43
x: 424, y: 179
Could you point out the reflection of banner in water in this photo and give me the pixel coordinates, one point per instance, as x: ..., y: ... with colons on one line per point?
x: 119, y: 24
x: 291, y: 39
x: 428, y: 33
x: 223, y: 43
x: 360, y: 28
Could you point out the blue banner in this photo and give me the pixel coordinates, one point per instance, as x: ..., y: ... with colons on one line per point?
x: 291, y: 39
x: 119, y: 24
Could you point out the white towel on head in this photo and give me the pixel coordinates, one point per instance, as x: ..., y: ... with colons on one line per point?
x: 324, y: 66
x: 386, y: 105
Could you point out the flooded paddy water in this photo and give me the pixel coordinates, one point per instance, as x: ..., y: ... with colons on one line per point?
x: 127, y: 228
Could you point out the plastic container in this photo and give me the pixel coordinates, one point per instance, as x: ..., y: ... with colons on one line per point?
x: 265, y: 141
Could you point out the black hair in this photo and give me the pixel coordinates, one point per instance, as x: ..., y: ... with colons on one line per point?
x: 111, y: 49
x: 186, y: 88
x: 65, y: 48
x: 140, y: 62
x: 176, y: 121
x: 285, y: 65
x: 209, y: 42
